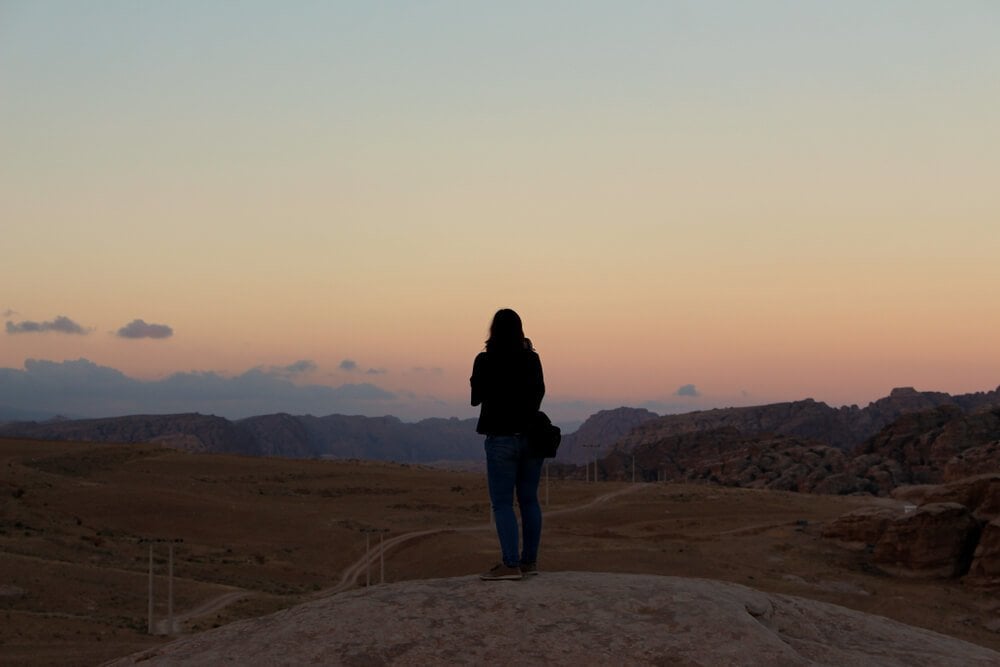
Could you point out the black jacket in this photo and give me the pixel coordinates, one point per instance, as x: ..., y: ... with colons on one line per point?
x: 509, y: 386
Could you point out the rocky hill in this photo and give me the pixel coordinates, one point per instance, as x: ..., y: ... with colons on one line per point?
x: 598, y: 431
x: 928, y: 447
x: 845, y: 427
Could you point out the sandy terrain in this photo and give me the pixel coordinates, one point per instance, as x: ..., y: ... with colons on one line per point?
x: 264, y: 534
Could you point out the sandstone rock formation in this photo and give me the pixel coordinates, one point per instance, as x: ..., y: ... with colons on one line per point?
x: 986, y: 560
x: 935, y: 541
x: 569, y: 618
x: 979, y: 493
x: 919, y: 447
x: 846, y: 427
x: 937, y: 531
x: 600, y: 430
x: 862, y: 528
x: 729, y: 457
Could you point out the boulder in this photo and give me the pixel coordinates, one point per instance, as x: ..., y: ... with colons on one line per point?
x: 979, y: 493
x: 986, y: 560
x: 973, y: 461
x: 935, y: 541
x: 861, y: 528
x: 568, y: 618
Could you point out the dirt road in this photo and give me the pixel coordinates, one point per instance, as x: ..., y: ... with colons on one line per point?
x: 349, y: 578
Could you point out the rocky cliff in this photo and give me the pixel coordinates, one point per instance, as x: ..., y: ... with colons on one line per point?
x: 845, y: 428
x: 600, y: 430
x: 929, y: 447
x: 937, y: 445
x: 938, y: 531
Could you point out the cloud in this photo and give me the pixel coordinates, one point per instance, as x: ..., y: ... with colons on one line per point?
x: 60, y: 324
x: 420, y: 370
x: 139, y: 329
x: 82, y: 388
x: 351, y: 366
x: 301, y: 366
x: 687, y: 390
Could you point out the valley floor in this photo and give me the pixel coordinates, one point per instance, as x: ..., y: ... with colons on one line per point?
x: 264, y: 534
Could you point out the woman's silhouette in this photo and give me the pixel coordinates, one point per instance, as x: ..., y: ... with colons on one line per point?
x: 507, y: 382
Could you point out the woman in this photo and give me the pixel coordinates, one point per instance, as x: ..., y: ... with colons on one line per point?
x: 507, y: 381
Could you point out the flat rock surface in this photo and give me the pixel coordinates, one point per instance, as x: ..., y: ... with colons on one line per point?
x: 568, y: 618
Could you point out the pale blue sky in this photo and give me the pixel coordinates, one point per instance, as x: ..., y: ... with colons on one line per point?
x: 766, y: 200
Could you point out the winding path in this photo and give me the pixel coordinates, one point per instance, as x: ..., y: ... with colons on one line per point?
x: 208, y: 607
x: 353, y: 572
x: 356, y: 570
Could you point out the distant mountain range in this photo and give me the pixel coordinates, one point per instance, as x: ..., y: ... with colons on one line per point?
x: 284, y: 435
x: 906, y: 438
x: 684, y: 445
x: 843, y: 428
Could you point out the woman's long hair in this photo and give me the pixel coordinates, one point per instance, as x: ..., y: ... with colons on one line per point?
x: 507, y: 333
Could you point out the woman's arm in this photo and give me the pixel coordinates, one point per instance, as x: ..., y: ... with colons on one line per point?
x: 478, y: 378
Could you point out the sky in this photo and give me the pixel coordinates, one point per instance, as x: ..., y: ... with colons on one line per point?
x: 317, y: 207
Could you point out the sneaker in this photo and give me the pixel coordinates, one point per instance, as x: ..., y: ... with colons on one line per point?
x: 529, y: 569
x: 501, y: 572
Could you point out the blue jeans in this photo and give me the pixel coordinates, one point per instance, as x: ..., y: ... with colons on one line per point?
x: 510, y: 471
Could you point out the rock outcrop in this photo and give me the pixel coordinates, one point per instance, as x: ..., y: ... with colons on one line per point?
x: 845, y: 428
x: 569, y: 618
x: 729, y: 457
x: 927, y: 447
x: 918, y: 448
x: 935, y: 541
x: 863, y: 527
x: 937, y: 531
x: 599, y: 432
x: 979, y: 493
x: 985, y: 568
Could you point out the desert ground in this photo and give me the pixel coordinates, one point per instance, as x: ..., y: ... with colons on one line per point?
x: 254, y: 535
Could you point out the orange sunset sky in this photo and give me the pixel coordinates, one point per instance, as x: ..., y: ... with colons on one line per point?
x: 691, y: 204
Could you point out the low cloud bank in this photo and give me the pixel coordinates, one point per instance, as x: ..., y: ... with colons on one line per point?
x: 82, y: 388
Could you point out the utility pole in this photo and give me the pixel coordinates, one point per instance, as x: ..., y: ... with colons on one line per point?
x: 546, y: 483
x: 151, y: 629
x: 381, y: 554
x: 170, y: 590
x: 151, y: 608
x: 368, y: 561
x: 595, y: 448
